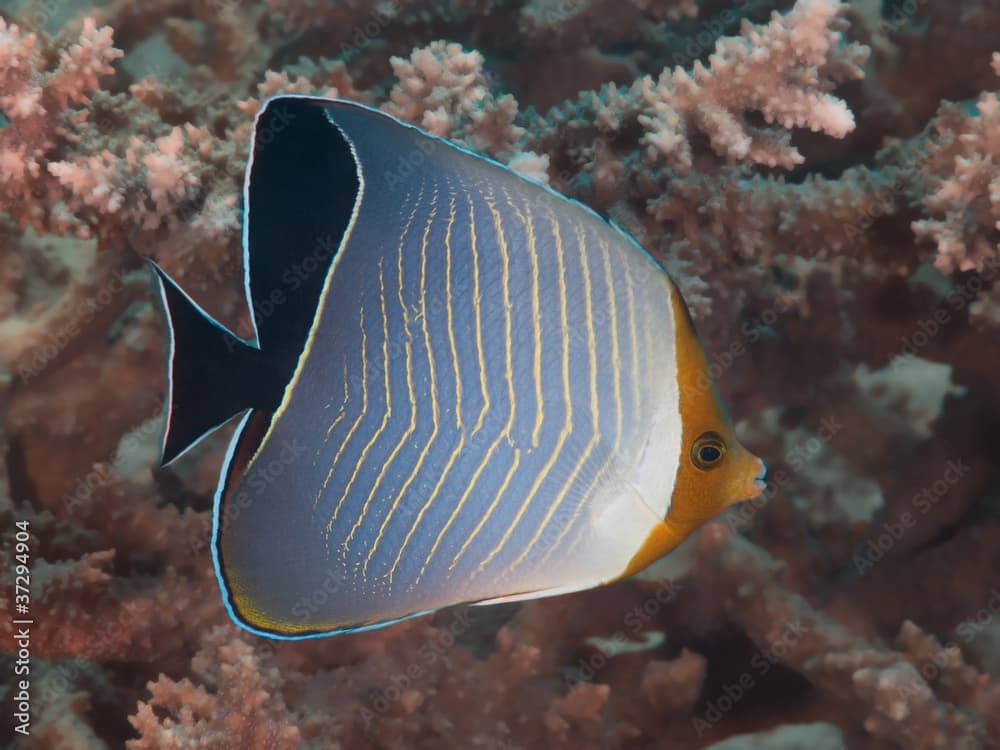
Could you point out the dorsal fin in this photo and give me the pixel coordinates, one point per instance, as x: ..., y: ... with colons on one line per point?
x: 301, y: 187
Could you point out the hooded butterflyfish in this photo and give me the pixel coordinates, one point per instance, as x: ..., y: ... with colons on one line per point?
x: 460, y: 387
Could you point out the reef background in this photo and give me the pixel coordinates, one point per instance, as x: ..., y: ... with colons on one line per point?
x: 823, y: 182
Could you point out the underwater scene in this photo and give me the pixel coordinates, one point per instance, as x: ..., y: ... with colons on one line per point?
x: 668, y: 331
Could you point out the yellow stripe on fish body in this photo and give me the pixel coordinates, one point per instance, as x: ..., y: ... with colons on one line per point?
x: 523, y: 391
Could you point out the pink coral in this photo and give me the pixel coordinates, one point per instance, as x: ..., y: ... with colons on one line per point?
x: 37, y: 102
x: 326, y: 78
x: 244, y: 708
x: 442, y: 88
x: 783, y: 70
x: 966, y: 199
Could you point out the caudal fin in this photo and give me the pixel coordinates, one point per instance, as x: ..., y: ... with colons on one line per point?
x: 213, y: 375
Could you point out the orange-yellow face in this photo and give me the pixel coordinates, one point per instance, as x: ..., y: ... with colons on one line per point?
x: 715, y: 470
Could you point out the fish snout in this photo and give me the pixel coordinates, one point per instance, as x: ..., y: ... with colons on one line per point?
x: 760, y: 482
x: 749, y: 473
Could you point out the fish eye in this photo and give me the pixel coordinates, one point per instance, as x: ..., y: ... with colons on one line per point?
x: 708, y: 450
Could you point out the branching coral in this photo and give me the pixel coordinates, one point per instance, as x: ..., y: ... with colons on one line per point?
x: 38, y: 100
x: 244, y: 709
x: 326, y: 78
x: 967, y: 197
x: 442, y: 88
x: 397, y: 696
x: 100, y: 184
x: 890, y: 687
x: 784, y: 71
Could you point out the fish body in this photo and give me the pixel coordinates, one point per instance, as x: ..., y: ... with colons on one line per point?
x: 472, y: 390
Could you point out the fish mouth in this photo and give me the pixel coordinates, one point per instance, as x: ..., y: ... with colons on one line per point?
x: 760, y: 482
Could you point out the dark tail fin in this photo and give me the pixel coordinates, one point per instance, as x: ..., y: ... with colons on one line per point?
x: 213, y: 375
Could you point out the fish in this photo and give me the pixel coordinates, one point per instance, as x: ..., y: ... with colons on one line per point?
x: 461, y: 386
